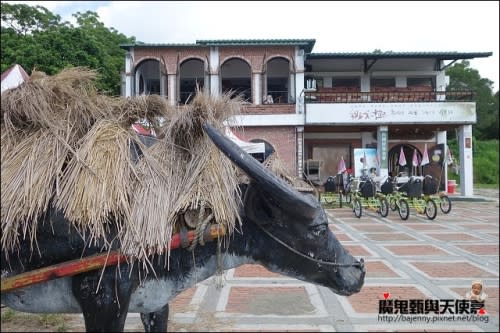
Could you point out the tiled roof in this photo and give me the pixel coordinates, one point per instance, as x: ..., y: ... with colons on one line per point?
x: 23, y: 73
x: 390, y: 54
x: 140, y: 44
x: 307, y: 43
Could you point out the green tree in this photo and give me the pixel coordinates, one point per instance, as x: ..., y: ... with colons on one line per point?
x: 25, y: 19
x: 37, y: 39
x: 463, y: 77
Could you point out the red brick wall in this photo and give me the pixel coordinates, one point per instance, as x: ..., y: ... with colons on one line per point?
x: 282, y: 138
x: 268, y: 109
x: 256, y: 56
x: 170, y: 57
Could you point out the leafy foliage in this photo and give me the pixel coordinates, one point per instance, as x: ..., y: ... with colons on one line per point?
x: 463, y: 77
x: 35, y: 38
x: 485, y: 160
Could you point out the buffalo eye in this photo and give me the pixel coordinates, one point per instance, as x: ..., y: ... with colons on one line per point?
x: 319, y: 230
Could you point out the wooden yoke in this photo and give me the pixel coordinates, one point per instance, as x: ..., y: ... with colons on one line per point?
x: 74, y: 267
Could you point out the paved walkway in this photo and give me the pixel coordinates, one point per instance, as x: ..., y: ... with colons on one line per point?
x: 415, y: 259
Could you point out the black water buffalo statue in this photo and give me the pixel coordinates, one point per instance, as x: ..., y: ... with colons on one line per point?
x: 284, y: 230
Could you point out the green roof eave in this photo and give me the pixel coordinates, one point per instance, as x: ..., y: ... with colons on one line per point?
x: 390, y: 54
x: 153, y: 45
x: 307, y: 44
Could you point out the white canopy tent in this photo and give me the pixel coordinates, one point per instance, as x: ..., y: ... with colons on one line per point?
x: 249, y: 147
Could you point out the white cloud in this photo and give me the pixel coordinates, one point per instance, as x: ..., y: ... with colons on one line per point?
x: 337, y: 26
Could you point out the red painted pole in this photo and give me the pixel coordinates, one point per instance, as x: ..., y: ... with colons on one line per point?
x: 73, y: 267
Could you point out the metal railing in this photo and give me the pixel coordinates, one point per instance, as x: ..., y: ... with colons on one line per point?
x: 389, y: 97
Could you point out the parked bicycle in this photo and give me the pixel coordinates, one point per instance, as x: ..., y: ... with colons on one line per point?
x: 431, y: 191
x: 332, y: 194
x: 364, y: 195
x: 396, y: 199
x: 412, y: 194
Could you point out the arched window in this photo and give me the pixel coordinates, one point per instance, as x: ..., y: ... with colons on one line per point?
x: 268, y: 150
x: 236, y: 78
x: 148, y: 77
x: 191, y: 77
x: 277, y: 81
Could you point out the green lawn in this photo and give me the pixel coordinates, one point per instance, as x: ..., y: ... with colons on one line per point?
x: 487, y: 186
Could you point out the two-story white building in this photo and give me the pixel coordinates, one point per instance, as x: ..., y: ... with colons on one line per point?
x: 315, y: 109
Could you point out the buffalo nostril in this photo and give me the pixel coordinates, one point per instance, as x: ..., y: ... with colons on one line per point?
x: 362, y: 264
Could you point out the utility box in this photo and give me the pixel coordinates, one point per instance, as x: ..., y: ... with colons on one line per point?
x: 313, y: 168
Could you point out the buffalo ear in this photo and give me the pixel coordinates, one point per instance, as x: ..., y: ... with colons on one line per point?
x: 256, y: 206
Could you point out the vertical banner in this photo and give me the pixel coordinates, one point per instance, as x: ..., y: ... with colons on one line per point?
x: 382, y: 150
x: 362, y: 164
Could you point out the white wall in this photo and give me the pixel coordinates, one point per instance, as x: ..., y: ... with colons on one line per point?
x: 13, y: 79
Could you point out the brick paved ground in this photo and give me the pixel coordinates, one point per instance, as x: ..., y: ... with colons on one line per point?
x: 417, y: 259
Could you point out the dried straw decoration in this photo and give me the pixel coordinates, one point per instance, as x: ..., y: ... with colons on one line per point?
x: 66, y: 146
x: 194, y: 176
x: 151, y: 109
x: 97, y: 181
x: 29, y: 176
x: 53, y: 101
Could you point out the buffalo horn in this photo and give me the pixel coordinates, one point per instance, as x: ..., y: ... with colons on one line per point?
x: 283, y: 194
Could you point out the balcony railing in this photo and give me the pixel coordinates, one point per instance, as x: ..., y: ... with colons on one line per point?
x: 389, y: 97
x: 279, y: 96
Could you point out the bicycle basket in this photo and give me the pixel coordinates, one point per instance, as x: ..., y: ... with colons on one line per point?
x: 367, y: 188
x: 404, y: 187
x: 387, y: 187
x: 331, y: 184
x: 414, y: 188
x: 430, y: 186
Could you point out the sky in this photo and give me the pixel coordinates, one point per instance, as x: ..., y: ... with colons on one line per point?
x: 337, y: 26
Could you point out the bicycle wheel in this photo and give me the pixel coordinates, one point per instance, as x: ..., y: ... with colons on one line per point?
x: 384, y: 207
x: 357, y: 208
x: 393, y: 204
x: 445, y: 204
x: 430, y: 209
x: 403, y: 209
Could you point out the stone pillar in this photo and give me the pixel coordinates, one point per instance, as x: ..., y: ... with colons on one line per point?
x: 214, y: 72
x: 299, y: 93
x: 441, y: 86
x: 299, y: 81
x: 365, y: 87
x: 206, y: 83
x: 291, y: 88
x: 129, y: 75
x: 163, y: 84
x: 466, y: 170
x: 172, y: 89
x: 257, y: 88
x: 382, y: 149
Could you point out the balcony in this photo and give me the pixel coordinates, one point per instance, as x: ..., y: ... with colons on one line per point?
x: 389, y: 97
x: 400, y: 105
